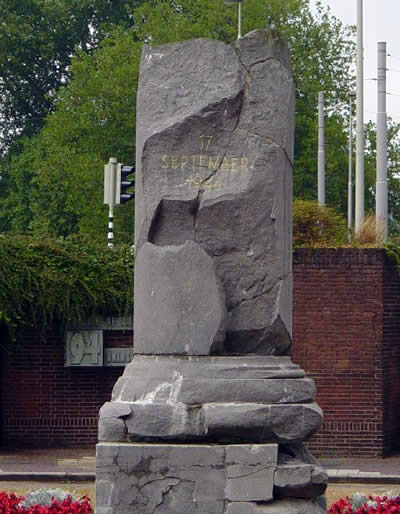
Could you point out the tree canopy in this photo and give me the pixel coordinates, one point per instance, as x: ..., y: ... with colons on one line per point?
x: 37, y: 40
x: 53, y: 181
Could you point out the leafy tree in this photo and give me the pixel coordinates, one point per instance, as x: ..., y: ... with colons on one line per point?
x: 56, y: 183
x: 37, y: 40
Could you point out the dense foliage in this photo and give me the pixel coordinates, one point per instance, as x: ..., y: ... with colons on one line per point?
x: 37, y: 40
x: 44, y: 280
x: 52, y: 183
x: 55, y: 185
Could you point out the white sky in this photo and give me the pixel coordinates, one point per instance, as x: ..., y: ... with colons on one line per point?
x: 381, y: 23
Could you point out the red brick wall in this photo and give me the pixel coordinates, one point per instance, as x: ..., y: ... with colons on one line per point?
x: 346, y: 336
x: 43, y: 403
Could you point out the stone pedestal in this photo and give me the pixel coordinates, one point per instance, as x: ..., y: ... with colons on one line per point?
x: 210, y: 415
x: 201, y: 479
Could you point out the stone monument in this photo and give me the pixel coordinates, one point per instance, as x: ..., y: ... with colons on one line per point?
x: 211, y: 414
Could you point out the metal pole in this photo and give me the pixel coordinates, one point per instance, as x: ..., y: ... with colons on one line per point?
x: 110, y: 236
x: 113, y: 163
x: 239, y: 19
x: 321, y: 149
x: 350, y: 184
x: 359, y: 200
x: 381, y: 150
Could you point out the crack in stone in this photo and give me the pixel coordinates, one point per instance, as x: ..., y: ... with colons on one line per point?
x: 239, y: 55
x: 250, y: 474
x: 269, y: 141
x: 262, y: 61
x: 213, y: 173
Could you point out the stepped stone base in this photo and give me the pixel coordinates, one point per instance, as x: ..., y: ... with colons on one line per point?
x: 203, y: 479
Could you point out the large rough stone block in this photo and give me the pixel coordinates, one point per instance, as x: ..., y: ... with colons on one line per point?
x: 182, y: 305
x: 214, y: 166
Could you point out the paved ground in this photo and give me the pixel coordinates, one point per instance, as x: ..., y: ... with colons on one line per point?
x: 61, y: 464
x: 80, y: 464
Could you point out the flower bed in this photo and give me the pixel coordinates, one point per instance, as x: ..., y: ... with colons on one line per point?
x: 362, y: 504
x: 42, y: 501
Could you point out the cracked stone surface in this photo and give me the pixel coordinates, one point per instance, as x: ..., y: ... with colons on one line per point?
x: 175, y: 479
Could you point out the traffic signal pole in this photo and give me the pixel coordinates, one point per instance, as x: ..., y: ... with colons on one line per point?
x: 116, y: 190
x: 110, y: 235
x: 110, y: 179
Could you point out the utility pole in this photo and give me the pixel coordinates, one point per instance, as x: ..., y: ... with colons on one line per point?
x: 381, y: 149
x: 359, y: 200
x: 321, y: 148
x: 352, y: 96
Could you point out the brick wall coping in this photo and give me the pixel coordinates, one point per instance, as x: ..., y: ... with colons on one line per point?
x: 339, y: 256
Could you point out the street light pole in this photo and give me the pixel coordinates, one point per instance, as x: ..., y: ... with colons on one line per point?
x: 352, y: 96
x: 381, y: 150
x: 239, y: 20
x: 359, y: 200
x: 321, y: 148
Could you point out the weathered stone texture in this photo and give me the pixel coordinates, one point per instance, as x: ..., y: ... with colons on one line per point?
x: 171, y: 479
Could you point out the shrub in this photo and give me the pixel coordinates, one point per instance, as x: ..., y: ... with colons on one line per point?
x: 44, y: 280
x: 317, y: 226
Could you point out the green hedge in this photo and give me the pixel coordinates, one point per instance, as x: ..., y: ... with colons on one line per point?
x: 43, y: 280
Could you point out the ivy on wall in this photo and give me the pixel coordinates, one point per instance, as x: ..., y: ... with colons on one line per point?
x: 44, y: 280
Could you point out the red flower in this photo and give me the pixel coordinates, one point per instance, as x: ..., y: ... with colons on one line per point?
x: 9, y: 504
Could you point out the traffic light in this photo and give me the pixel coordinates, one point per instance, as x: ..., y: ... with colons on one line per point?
x: 123, y: 184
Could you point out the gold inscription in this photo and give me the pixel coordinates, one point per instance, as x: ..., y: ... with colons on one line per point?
x: 197, y: 181
x: 195, y: 164
x: 205, y: 142
x: 199, y: 161
x: 174, y: 162
x: 164, y: 159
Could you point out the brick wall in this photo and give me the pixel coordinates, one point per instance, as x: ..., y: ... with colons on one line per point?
x: 43, y: 403
x: 346, y: 336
